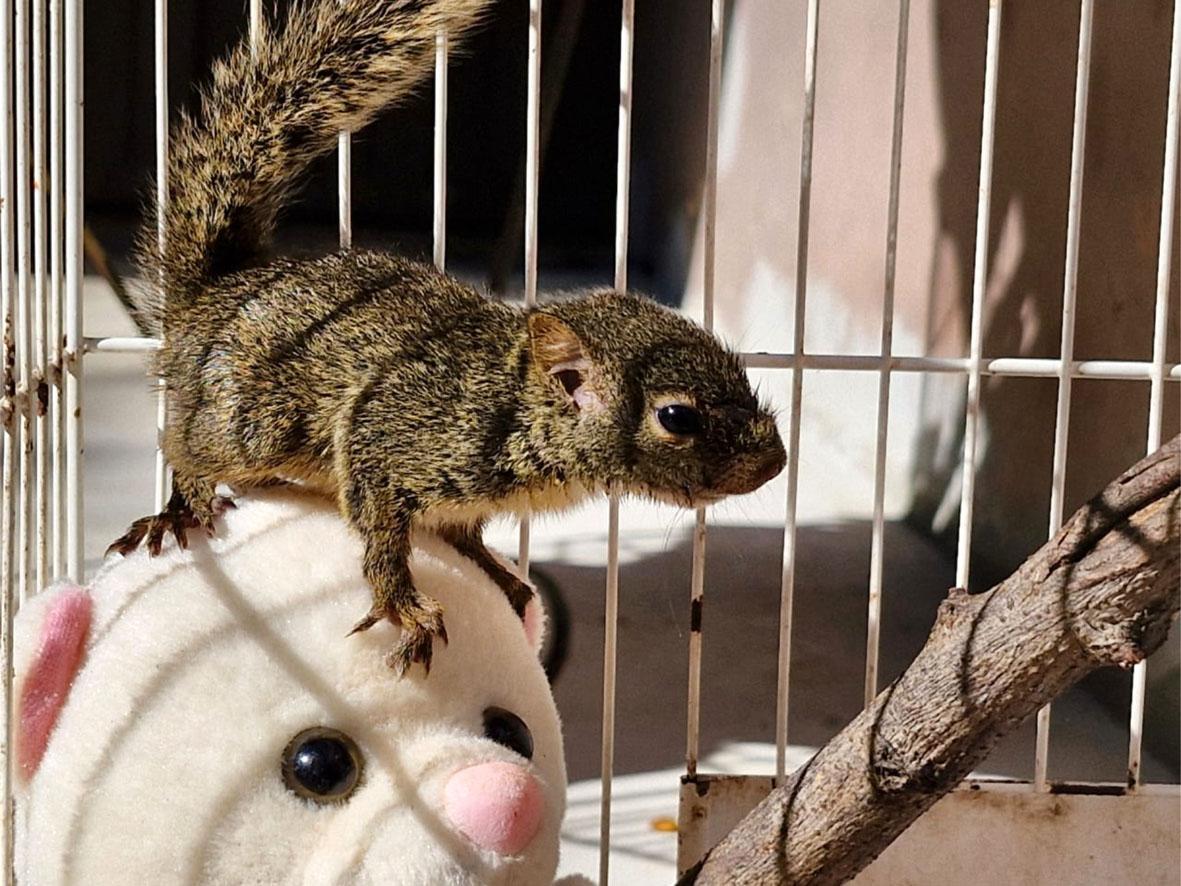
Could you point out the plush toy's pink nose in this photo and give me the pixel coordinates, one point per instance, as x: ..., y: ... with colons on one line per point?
x: 496, y: 805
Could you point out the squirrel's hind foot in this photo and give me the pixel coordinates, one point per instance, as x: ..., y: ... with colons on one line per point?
x: 421, y: 624
x: 467, y: 540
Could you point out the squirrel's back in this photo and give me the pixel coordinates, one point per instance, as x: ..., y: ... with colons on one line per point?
x: 270, y: 110
x: 274, y: 357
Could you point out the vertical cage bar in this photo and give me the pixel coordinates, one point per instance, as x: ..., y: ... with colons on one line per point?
x: 787, y: 592
x: 24, y: 327
x: 979, y: 277
x: 8, y: 513
x: 611, y: 601
x: 57, y: 405
x: 38, y: 392
x: 1164, y: 258
x: 1069, y: 292
x: 696, y: 614
x: 344, y: 187
x: 708, y: 279
x: 877, y: 544
x: 439, y: 218
x: 532, y: 174
x: 256, y: 23
x: 8, y: 289
x: 161, y: 73
x: 610, y: 638
x: 73, y: 331
x: 532, y: 155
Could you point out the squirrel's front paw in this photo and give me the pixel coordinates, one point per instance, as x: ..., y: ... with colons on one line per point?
x: 176, y: 519
x: 421, y: 624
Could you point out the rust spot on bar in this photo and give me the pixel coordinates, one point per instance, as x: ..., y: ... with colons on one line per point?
x: 42, y: 398
x: 9, y: 360
x: 695, y: 616
x: 700, y: 783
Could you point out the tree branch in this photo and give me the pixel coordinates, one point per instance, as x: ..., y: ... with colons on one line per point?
x: 1104, y: 591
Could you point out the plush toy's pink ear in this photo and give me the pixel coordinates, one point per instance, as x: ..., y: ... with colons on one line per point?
x: 535, y: 622
x: 47, y: 682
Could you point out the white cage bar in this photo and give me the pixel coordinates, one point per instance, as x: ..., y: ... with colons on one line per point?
x: 8, y: 516
x: 1156, y: 395
x: 1069, y: 292
x: 611, y: 598
x: 532, y: 176
x: 797, y: 394
x: 160, y: 35
x: 37, y: 392
x: 72, y: 333
x: 979, y: 278
x: 439, y: 203
x: 57, y: 402
x: 1012, y: 367
x: 24, y: 299
x: 877, y: 539
x: 344, y: 189
x: 709, y: 210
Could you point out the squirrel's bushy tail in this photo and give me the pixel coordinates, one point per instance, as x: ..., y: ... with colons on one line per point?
x: 269, y: 112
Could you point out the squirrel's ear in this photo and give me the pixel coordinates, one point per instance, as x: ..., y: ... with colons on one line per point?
x: 558, y: 352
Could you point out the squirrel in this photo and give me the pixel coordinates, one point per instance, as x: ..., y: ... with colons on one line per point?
x: 414, y: 399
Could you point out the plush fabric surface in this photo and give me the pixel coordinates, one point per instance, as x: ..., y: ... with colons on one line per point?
x: 200, y: 666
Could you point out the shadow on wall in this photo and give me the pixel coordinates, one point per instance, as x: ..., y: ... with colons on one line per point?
x: 1116, y: 284
x: 1119, y: 239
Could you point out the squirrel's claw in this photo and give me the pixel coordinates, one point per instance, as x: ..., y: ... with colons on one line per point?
x: 129, y: 540
x: 421, y: 626
x: 176, y: 520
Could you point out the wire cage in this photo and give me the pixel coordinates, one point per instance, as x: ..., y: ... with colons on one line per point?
x: 46, y: 350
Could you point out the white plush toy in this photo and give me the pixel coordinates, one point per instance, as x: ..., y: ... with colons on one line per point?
x: 204, y: 716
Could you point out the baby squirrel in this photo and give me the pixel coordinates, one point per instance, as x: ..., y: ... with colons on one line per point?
x: 412, y: 398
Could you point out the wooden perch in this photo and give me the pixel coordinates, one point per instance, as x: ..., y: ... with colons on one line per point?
x: 1104, y: 591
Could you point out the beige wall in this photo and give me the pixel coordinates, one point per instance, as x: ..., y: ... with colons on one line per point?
x: 758, y: 185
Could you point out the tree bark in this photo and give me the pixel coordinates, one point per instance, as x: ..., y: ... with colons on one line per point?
x: 1104, y: 591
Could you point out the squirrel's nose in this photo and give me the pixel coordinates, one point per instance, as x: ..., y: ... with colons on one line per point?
x: 497, y: 806
x: 773, y: 463
x: 751, y: 472
x: 768, y: 467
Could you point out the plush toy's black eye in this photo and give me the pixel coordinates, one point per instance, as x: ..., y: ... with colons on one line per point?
x: 322, y: 764
x: 679, y: 419
x: 506, y: 728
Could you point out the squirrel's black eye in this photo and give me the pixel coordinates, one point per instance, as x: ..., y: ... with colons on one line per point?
x: 506, y: 728
x: 322, y: 764
x: 679, y: 419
